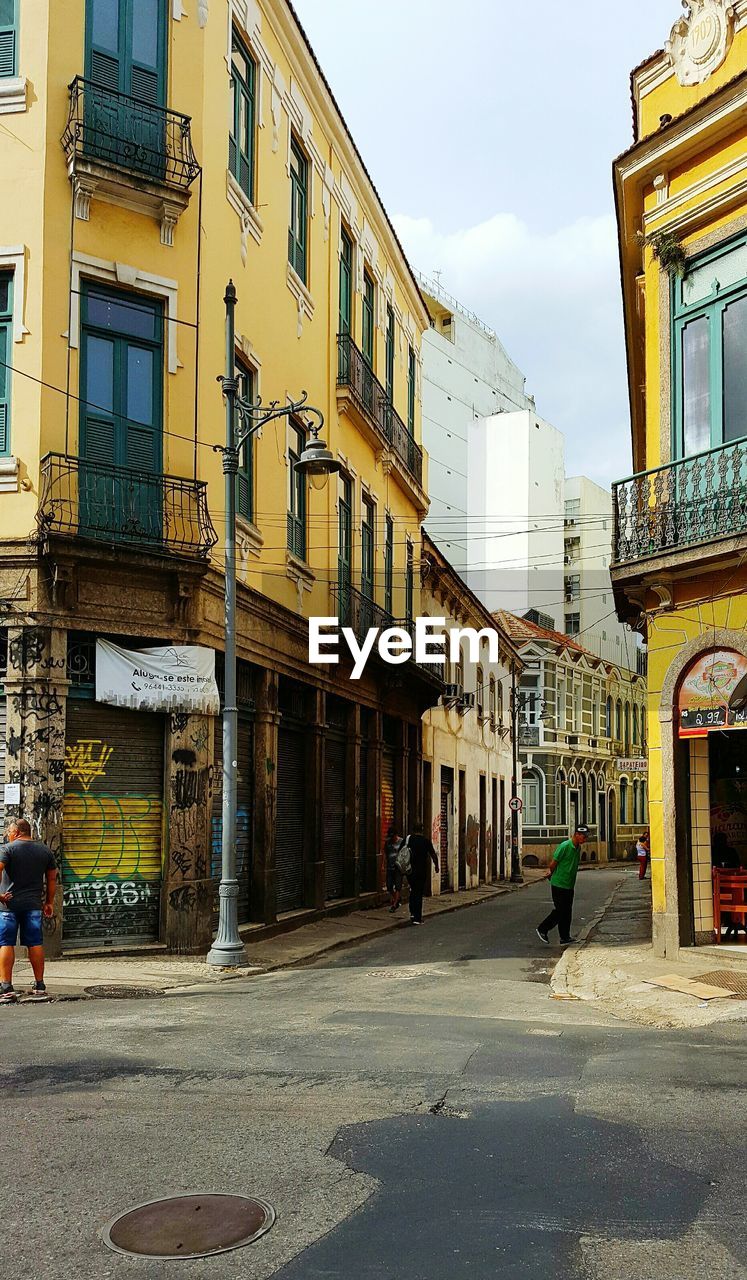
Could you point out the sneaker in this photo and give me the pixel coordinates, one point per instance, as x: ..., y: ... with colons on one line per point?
x: 7, y: 994
x: 415, y: 921
x: 542, y: 936
x: 566, y: 942
x: 394, y: 908
x: 38, y: 993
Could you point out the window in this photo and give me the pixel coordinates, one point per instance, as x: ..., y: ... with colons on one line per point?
x: 561, y: 704
x: 594, y: 713
x: 572, y: 624
x: 573, y: 586
x: 491, y: 703
x: 346, y: 283
x: 643, y: 726
x: 529, y: 686
x: 299, y: 167
x: 409, y: 583
x: 578, y: 723
x: 562, y: 798
x: 608, y: 718
x: 623, y: 801
x: 531, y: 789
x: 480, y: 696
x: 411, y: 391
x: 8, y: 38
x: 710, y: 336
x: 618, y: 721
x: 296, y: 495
x: 243, y: 109
x: 245, y: 479
x: 368, y: 547
x: 126, y: 53
x: 584, y: 781
x: 389, y: 565
x: 344, y: 547
x: 500, y: 702
x: 390, y: 337
x: 6, y: 338
x: 635, y: 724
x: 369, y: 303
x: 627, y: 726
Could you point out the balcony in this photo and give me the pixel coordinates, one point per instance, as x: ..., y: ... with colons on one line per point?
x: 360, y: 613
x: 695, y: 500
x: 359, y: 388
x: 128, y: 152
x: 92, y: 500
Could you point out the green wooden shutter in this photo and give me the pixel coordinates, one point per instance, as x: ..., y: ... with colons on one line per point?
x: 6, y: 349
x: 8, y: 38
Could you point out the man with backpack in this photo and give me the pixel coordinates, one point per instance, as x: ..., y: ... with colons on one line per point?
x: 414, y: 858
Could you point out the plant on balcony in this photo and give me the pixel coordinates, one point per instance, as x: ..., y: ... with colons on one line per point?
x: 666, y: 247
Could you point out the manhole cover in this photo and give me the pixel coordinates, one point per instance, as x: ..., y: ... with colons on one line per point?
x: 729, y: 979
x: 123, y: 993
x: 191, y: 1226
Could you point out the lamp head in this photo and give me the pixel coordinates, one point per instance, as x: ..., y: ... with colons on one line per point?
x: 316, y: 461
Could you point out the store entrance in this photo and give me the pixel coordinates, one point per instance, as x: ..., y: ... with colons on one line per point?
x: 727, y: 754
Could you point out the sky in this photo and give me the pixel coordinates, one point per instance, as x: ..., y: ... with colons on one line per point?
x: 489, y: 128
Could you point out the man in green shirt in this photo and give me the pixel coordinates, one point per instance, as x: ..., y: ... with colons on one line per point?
x: 562, y: 877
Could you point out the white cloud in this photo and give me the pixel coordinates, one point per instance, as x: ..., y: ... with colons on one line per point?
x: 553, y: 298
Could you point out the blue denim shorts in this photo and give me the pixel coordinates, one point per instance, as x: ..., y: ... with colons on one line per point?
x: 29, y: 923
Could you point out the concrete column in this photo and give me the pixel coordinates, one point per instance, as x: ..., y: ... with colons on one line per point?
x: 189, y: 891
x: 36, y: 694
x: 263, y: 897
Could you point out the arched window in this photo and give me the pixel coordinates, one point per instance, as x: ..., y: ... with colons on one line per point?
x: 500, y: 702
x: 635, y: 724
x: 584, y: 798
x: 618, y: 720
x: 627, y: 726
x: 636, y: 814
x: 531, y: 792
x: 480, y: 694
x: 623, y: 801
x: 609, y: 718
x: 643, y: 726
x: 561, y: 798
x: 491, y: 702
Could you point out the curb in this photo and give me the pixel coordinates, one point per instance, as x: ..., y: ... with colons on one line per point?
x: 559, y: 982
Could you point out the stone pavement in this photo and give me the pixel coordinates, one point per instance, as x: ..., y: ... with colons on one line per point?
x: 615, y: 956
x: 81, y: 977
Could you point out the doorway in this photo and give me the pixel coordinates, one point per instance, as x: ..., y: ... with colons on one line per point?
x: 483, y: 833
x: 445, y: 826
x: 462, y: 880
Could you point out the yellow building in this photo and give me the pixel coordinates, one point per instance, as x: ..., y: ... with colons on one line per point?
x: 680, y: 554
x: 150, y: 153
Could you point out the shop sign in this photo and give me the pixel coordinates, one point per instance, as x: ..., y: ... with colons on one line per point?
x: 713, y: 694
x: 632, y: 766
x: 173, y: 678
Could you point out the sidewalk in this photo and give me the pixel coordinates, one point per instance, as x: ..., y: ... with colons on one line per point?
x: 615, y: 957
x: 118, y: 976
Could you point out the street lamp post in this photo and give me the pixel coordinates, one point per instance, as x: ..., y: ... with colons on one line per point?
x: 516, y: 875
x: 316, y: 461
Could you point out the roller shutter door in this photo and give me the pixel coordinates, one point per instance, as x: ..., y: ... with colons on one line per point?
x: 244, y: 813
x: 363, y: 819
x: 113, y: 820
x: 387, y: 805
x: 443, y: 853
x: 289, y: 820
x: 334, y: 817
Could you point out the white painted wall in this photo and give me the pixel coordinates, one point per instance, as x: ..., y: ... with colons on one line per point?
x: 590, y: 558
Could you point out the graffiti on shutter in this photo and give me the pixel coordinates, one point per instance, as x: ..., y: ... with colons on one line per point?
x: 443, y: 854
x: 113, y: 819
x: 387, y: 807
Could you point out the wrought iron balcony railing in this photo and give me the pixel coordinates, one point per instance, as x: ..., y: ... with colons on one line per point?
x: 126, y: 133
x: 689, y: 501
x: 360, y: 613
x: 355, y: 372
x: 81, y: 499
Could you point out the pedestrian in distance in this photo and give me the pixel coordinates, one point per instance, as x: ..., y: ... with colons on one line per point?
x: 643, y: 853
x: 393, y: 873
x: 421, y: 855
x: 29, y: 869
x: 562, y: 876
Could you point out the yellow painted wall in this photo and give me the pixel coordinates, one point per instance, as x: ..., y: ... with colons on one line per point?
x: 52, y: 53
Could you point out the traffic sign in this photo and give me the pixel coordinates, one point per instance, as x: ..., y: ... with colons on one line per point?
x: 515, y: 804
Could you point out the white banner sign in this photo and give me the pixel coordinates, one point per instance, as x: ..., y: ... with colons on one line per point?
x: 177, y: 678
x: 632, y: 766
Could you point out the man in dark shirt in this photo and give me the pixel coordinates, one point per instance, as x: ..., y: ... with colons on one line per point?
x: 422, y: 854
x: 26, y: 865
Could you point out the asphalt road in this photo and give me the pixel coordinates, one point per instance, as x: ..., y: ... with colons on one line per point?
x: 416, y: 1107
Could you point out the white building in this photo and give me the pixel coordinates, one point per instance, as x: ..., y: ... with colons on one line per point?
x: 521, y: 535
x: 589, y: 605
